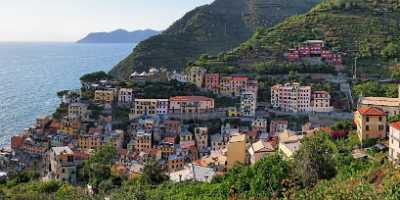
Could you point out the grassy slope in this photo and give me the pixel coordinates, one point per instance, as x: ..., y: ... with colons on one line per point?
x: 209, y: 29
x: 364, y: 29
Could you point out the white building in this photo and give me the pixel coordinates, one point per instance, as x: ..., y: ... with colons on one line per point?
x: 394, y: 142
x: 180, y: 77
x: 248, y: 104
x: 78, y: 111
x: 291, y: 97
x: 125, y: 96
x: 62, y: 165
x: 193, y: 172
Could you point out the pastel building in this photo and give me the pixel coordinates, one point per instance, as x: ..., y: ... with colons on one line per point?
x: 196, y: 76
x: 291, y: 97
x: 201, y: 137
x: 260, y: 149
x: 371, y: 123
x: 248, y: 104
x: 394, y: 142
x: 78, y: 111
x: 211, y: 82
x: 278, y: 126
x: 390, y: 105
x: 105, y: 96
x: 191, y: 104
x: 149, y: 107
x: 321, y: 101
x: 62, y: 165
x: 236, y: 151
x: 143, y: 141
x: 233, y: 85
x: 125, y: 96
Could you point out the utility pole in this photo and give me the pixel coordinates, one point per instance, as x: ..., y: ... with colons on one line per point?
x: 355, y: 68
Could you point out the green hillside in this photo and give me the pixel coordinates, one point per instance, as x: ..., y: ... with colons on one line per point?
x: 208, y: 29
x: 368, y: 29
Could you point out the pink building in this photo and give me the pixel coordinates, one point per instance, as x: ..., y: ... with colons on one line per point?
x: 212, y: 82
x: 277, y: 126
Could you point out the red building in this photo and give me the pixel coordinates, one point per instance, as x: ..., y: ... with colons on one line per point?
x: 293, y: 55
x: 212, y: 82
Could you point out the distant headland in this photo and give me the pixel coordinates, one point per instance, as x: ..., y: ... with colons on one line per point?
x: 119, y: 36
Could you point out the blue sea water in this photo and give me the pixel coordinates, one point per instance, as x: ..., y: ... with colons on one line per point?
x: 32, y: 73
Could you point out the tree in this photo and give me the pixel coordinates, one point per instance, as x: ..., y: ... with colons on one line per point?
x: 153, y: 174
x: 392, y: 50
x: 95, y: 76
x: 269, y: 173
x: 293, y: 76
x: 370, y: 88
x: 315, y: 159
x: 99, y: 165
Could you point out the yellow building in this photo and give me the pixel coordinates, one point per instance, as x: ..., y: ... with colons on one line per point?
x: 191, y: 104
x: 104, y: 96
x: 88, y: 142
x: 371, y: 123
x: 197, y: 75
x: 149, y: 107
x: 236, y: 151
x: 232, y: 112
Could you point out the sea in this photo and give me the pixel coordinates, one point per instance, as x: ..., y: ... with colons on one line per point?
x: 32, y: 73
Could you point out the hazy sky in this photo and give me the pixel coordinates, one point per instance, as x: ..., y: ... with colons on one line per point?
x: 70, y: 20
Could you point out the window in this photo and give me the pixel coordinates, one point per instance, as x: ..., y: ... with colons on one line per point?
x: 367, y: 128
x: 380, y: 119
x: 367, y: 119
x: 381, y: 127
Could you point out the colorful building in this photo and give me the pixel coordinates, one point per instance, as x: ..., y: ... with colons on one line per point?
x: 277, y: 126
x: 197, y: 75
x: 211, y: 82
x: 78, y: 111
x: 201, y: 138
x: 236, y: 151
x: 233, y: 85
x: 191, y: 104
x: 125, y: 96
x: 62, y: 165
x: 394, y: 142
x: 370, y: 122
x: 149, y: 107
x: 248, y: 104
x: 390, y: 105
x: 321, y: 101
x: 291, y: 97
x: 105, y: 96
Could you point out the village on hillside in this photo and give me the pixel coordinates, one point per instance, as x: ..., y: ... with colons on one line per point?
x: 204, y: 125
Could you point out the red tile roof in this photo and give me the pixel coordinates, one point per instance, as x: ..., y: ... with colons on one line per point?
x: 190, y: 98
x: 395, y: 125
x: 371, y: 111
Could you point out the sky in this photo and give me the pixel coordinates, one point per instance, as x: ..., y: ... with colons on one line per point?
x: 71, y: 20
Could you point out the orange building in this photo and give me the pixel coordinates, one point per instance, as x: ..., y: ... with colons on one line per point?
x: 371, y: 123
x: 191, y: 104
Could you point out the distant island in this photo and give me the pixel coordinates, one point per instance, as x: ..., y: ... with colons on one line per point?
x: 119, y: 36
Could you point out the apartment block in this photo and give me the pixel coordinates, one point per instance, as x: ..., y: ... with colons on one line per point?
x: 149, y: 107
x: 371, y: 123
x: 291, y: 97
x: 248, y: 104
x: 191, y: 104
x: 197, y: 75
